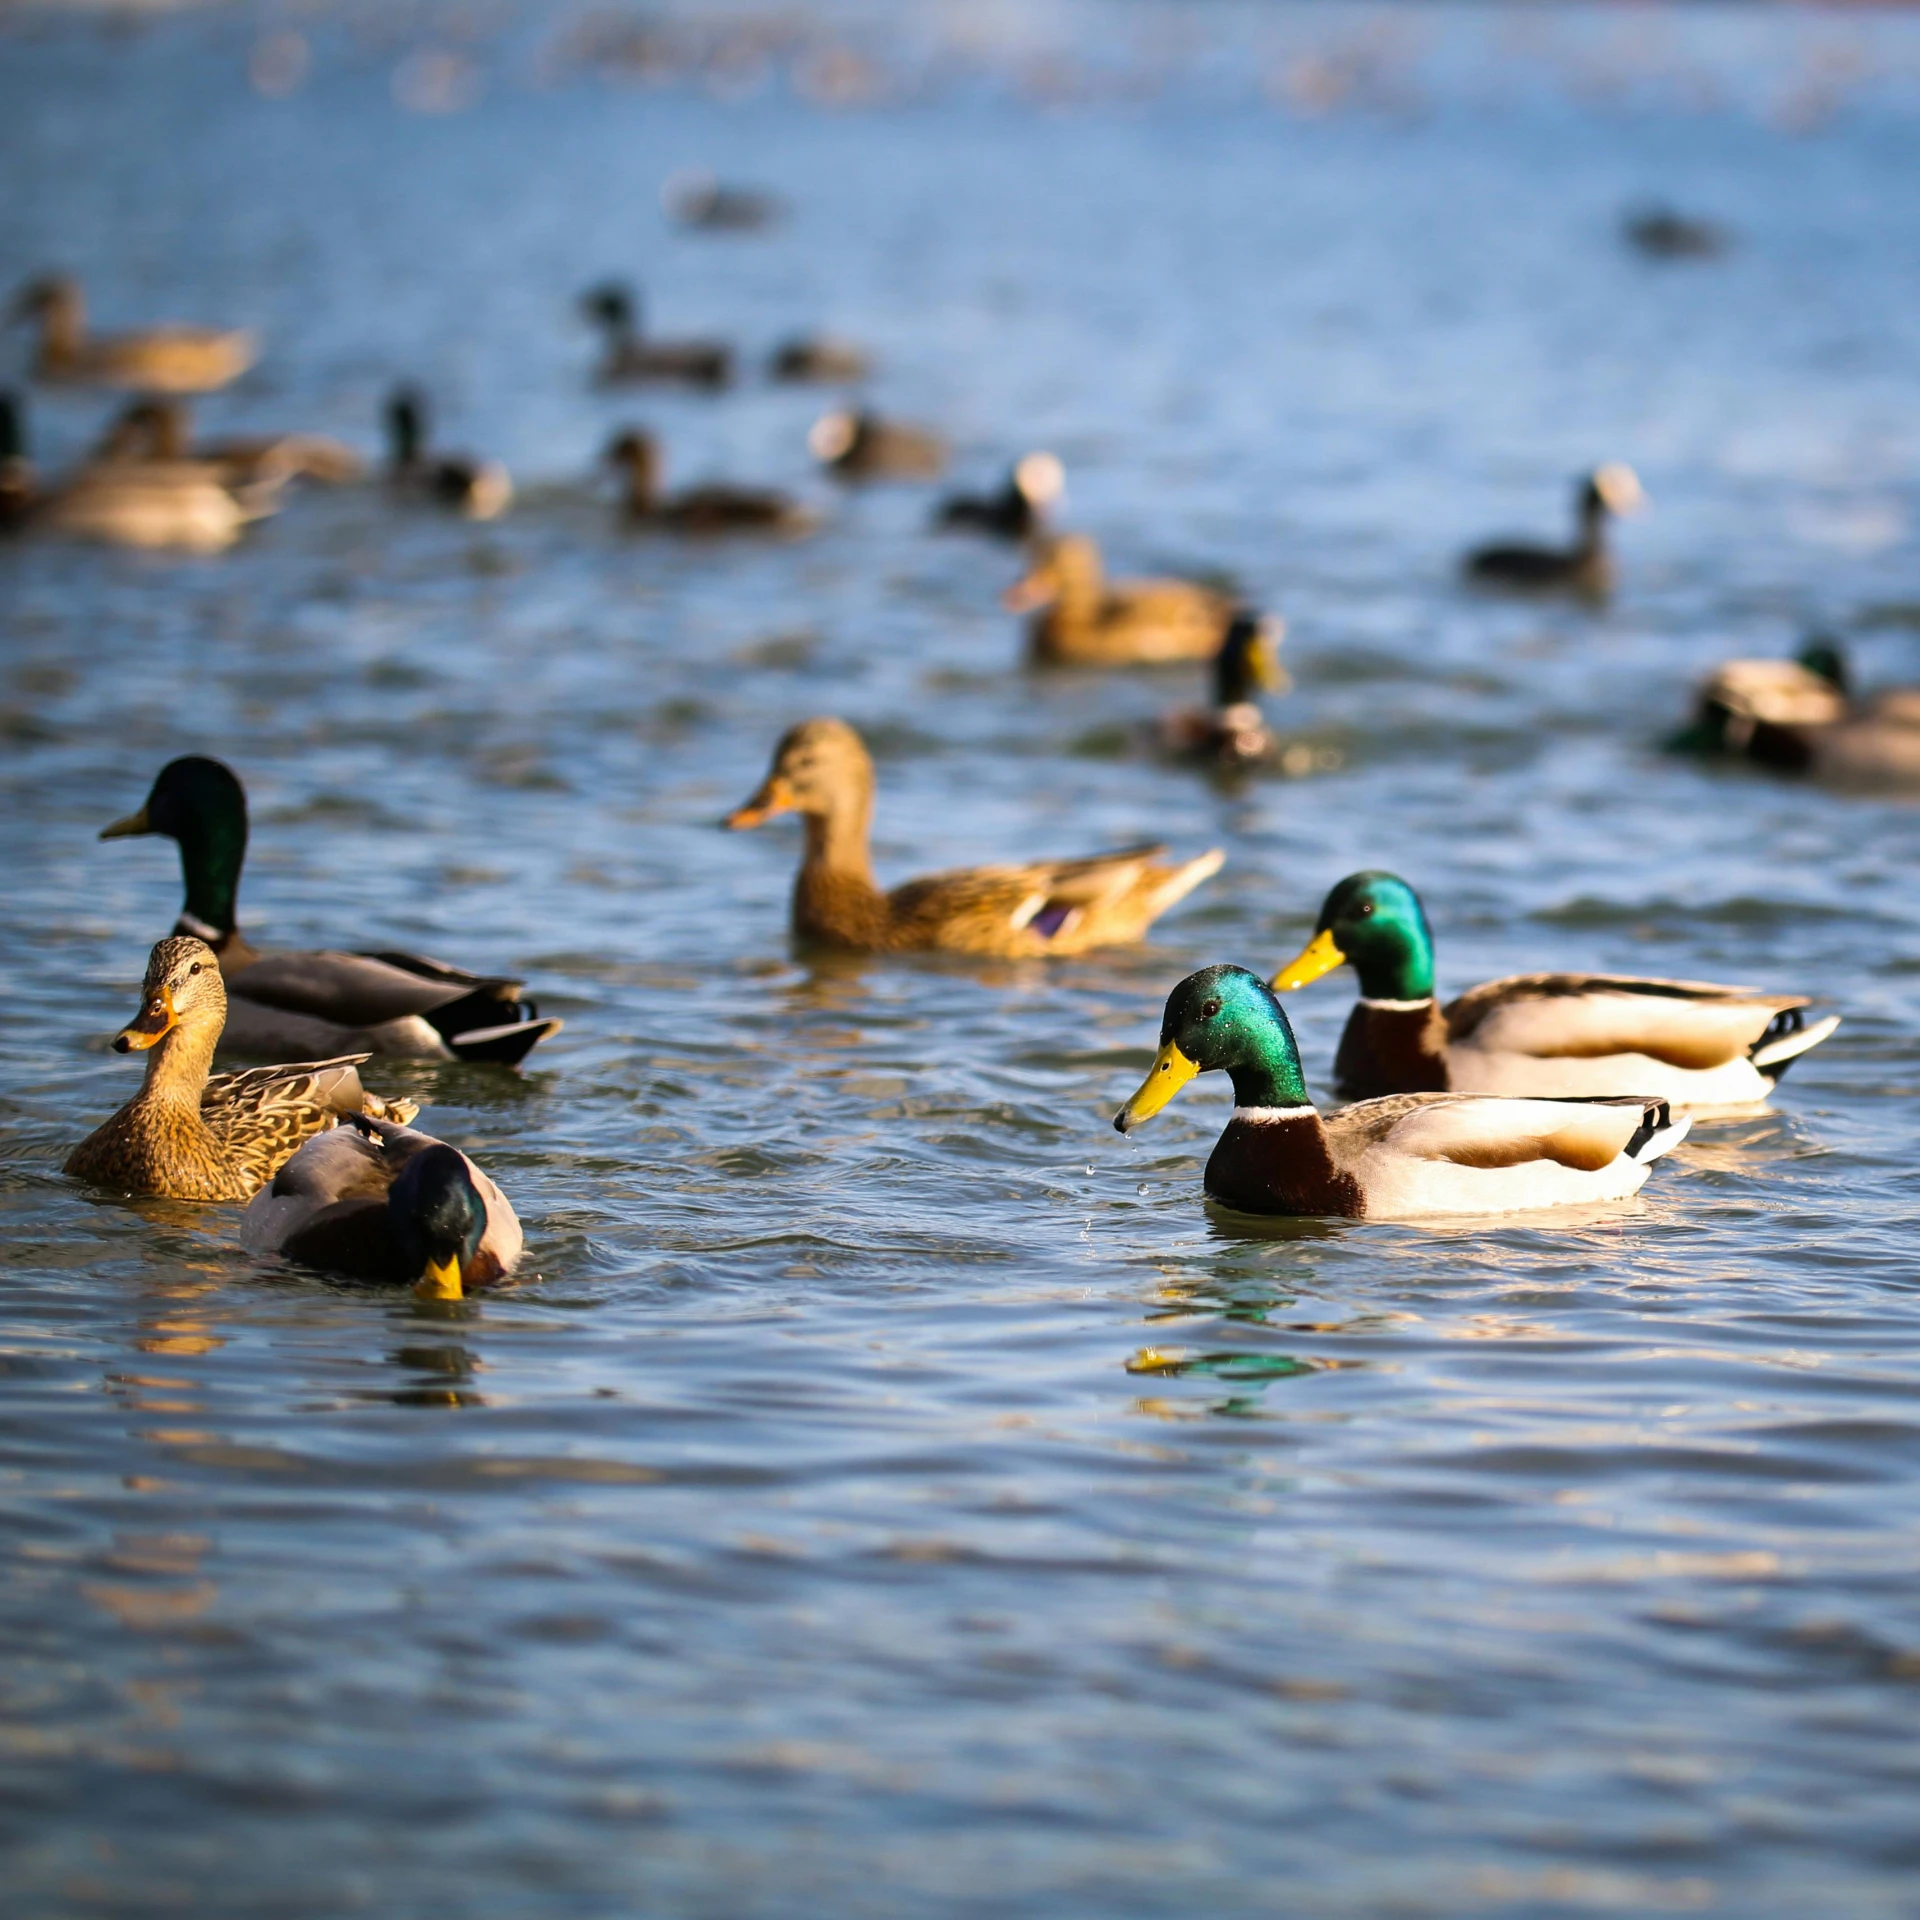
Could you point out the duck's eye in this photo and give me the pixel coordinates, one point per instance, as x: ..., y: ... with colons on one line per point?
x: 195, y: 968
x: 1366, y: 909
x: 1210, y: 1009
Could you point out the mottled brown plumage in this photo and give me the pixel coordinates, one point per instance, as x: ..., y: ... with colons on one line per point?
x: 821, y: 771
x: 1083, y: 619
x: 185, y: 1136
x: 158, y: 360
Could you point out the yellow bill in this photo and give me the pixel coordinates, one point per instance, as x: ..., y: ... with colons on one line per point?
x: 127, y: 829
x: 441, y: 1281
x: 155, y: 1020
x: 1319, y: 956
x: 1171, y: 1070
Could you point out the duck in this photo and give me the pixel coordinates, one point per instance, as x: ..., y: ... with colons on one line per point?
x: 181, y: 506
x: 160, y: 430
x: 698, y: 200
x: 856, y: 445
x: 1081, y: 619
x: 384, y: 1002
x: 1018, y: 511
x: 1705, y: 1048
x: 614, y: 307
x: 1801, y: 716
x: 1408, y: 1156
x: 1661, y: 233
x: 190, y: 1136
x: 818, y: 359
x: 378, y: 1200
x: 158, y: 360
x: 711, y: 509
x: 821, y: 770
x: 1586, y: 567
x: 1232, y: 732
x: 475, y: 489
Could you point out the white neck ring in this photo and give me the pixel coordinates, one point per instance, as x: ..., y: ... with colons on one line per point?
x: 1268, y: 1116
x: 1397, y: 1006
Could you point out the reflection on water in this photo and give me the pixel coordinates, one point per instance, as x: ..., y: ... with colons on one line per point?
x: 886, y: 1488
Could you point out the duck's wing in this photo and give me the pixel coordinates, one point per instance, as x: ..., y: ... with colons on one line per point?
x: 261, y: 1116
x: 1690, y: 1024
x: 327, y: 1205
x: 1469, y: 1130
x: 1774, y: 693
x: 169, y: 359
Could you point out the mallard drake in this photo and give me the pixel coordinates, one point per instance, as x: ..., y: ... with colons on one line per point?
x: 185, y: 1136
x: 710, y: 509
x: 614, y: 308
x: 160, y: 430
x: 378, y: 1201
x: 819, y: 359
x: 185, y: 506
x: 476, y: 489
x: 1662, y: 234
x: 1801, y: 716
x: 1018, y: 511
x: 821, y: 771
x: 1232, y: 732
x: 1586, y: 567
x: 1080, y: 619
x: 698, y: 200
x: 1407, y: 1157
x: 158, y: 360
x: 384, y: 1002
x: 861, y: 446
x: 1538, y: 1034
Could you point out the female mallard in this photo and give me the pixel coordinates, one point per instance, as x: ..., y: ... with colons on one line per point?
x: 383, y: 1002
x: 1233, y: 731
x: 159, y: 360
x: 184, y: 1136
x: 475, y: 489
x: 1018, y: 511
x: 819, y: 359
x: 860, y: 446
x: 378, y: 1201
x: 1548, y: 1035
x: 1586, y: 567
x: 614, y: 307
x: 821, y: 771
x: 181, y: 506
x: 710, y: 509
x: 1082, y: 620
x: 161, y: 431
x: 1411, y: 1156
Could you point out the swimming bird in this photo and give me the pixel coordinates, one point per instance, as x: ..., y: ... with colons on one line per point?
x: 709, y: 509
x: 157, y: 360
x: 161, y: 431
x: 1018, y: 511
x: 1586, y: 567
x: 1548, y: 1035
x: 1663, y: 234
x: 1232, y: 732
x: 1081, y: 619
x: 188, y: 1136
x: 379, y: 1201
x: 185, y: 506
x: 856, y: 446
x: 383, y: 1002
x: 818, y: 358
x: 614, y: 307
x: 821, y: 770
x: 697, y: 199
x: 1410, y: 1156
x: 475, y: 489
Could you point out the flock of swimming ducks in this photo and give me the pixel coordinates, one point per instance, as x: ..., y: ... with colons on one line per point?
x: 1541, y: 1090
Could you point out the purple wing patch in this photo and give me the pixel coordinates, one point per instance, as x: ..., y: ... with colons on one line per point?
x: 1050, y: 919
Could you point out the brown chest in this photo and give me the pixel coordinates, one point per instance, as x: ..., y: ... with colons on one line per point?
x: 1392, y: 1049
x: 1280, y: 1166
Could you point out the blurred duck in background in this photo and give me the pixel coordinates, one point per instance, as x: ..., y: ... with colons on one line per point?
x: 1537, y: 1035
x: 1662, y: 234
x: 190, y: 1136
x: 180, y: 505
x: 326, y: 1001
x: 1586, y: 567
x: 818, y: 359
x: 158, y: 360
x: 378, y: 1201
x: 696, y: 200
x: 1082, y: 619
x: 711, y: 509
x: 160, y: 431
x: 1034, y: 486
x: 631, y: 358
x: 856, y: 446
x: 1801, y: 716
x: 476, y: 489
x: 1232, y: 732
x: 822, y: 771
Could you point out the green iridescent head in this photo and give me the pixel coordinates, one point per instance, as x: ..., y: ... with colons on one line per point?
x: 200, y: 804
x: 1222, y: 1018
x: 1375, y: 922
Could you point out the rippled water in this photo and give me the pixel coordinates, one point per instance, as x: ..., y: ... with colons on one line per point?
x: 888, y: 1490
